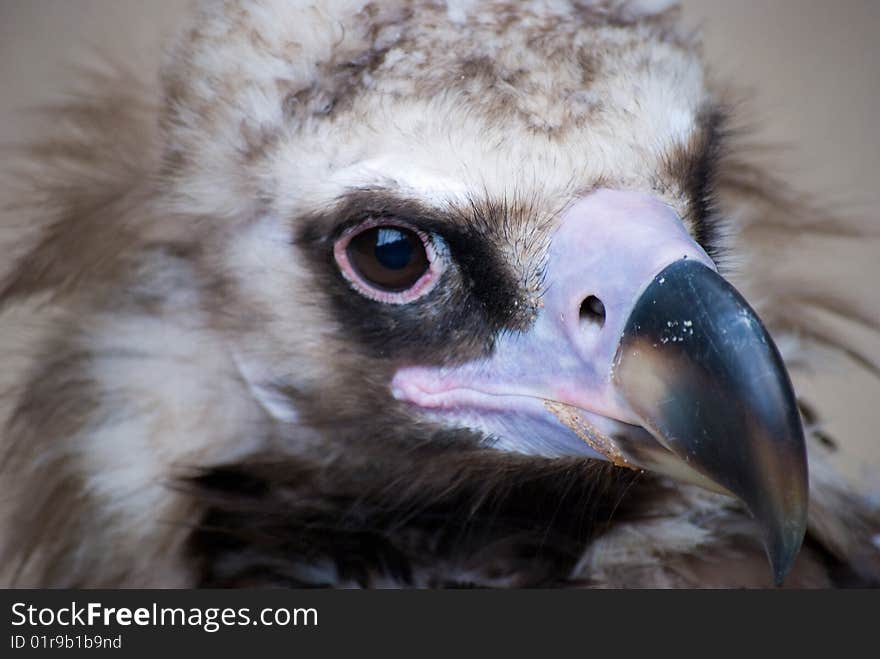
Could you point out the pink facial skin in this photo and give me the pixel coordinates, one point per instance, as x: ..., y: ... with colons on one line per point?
x: 423, y: 286
x: 609, y: 244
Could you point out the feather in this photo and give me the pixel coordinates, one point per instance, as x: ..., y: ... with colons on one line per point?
x: 172, y: 275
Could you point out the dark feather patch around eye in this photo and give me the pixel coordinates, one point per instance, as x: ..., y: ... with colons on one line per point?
x: 693, y: 167
x: 476, y: 297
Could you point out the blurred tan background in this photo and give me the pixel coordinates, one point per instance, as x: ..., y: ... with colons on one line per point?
x: 810, y: 69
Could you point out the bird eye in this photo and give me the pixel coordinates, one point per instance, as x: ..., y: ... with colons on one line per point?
x: 390, y: 258
x: 387, y: 262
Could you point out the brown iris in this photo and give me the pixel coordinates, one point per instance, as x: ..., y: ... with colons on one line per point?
x: 389, y: 258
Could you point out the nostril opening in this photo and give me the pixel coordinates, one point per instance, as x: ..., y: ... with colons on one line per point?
x: 592, y: 311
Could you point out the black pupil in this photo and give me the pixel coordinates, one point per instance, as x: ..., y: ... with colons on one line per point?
x: 389, y: 258
x: 393, y: 249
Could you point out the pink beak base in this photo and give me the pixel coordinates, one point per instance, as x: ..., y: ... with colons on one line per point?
x: 643, y: 355
x: 609, y: 245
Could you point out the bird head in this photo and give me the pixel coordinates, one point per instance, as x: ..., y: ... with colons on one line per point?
x: 481, y: 225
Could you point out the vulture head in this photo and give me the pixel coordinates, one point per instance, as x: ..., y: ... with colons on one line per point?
x: 409, y: 293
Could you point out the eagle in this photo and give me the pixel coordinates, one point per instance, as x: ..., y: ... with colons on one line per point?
x: 415, y: 294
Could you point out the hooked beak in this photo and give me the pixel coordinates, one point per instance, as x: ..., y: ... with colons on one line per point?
x: 702, y: 374
x: 678, y: 375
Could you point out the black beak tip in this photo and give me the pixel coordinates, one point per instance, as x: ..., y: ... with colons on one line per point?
x: 782, y: 560
x: 783, y: 544
x: 701, y: 372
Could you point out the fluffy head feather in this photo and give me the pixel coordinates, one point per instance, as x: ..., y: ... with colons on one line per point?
x: 195, y: 318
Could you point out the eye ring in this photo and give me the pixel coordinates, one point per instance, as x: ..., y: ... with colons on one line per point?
x: 423, y: 281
